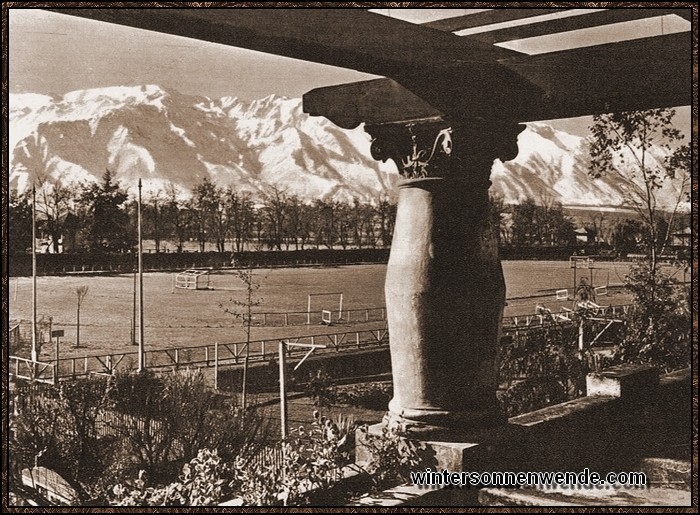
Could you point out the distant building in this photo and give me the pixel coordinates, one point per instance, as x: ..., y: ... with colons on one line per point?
x: 582, y: 235
x: 681, y: 238
x: 45, y: 245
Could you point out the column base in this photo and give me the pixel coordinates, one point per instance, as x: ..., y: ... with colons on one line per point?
x: 440, y: 425
x: 478, y: 453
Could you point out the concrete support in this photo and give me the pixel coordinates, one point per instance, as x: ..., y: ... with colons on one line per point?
x: 444, y: 289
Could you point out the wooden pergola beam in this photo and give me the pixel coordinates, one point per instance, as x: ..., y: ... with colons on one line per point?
x: 563, y: 25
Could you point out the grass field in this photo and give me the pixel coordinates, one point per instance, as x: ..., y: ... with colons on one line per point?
x: 188, y: 318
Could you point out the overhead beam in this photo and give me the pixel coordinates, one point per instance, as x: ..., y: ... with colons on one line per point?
x: 562, y: 25
x: 450, y: 74
x: 349, y: 38
x: 625, y: 76
x: 631, y: 75
x: 374, y: 102
x: 486, y: 18
x: 439, y: 67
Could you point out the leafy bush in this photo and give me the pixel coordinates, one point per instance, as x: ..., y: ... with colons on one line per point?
x: 542, y: 366
x: 170, y: 418
x: 658, y: 328
x: 57, y: 427
x: 393, y: 457
x: 320, y: 387
x: 374, y: 396
x: 97, y: 431
x: 312, y: 461
x: 201, y: 483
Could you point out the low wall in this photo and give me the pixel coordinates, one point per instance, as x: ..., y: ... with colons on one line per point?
x: 58, y: 264
x: 629, y: 416
x: 265, y: 376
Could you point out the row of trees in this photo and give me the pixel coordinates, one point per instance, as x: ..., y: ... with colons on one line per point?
x: 101, y: 217
x: 544, y: 223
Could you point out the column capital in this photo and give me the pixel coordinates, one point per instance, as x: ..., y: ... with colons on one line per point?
x: 438, y: 148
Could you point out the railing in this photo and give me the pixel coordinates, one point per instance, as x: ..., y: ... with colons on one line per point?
x: 231, y: 354
x: 218, y: 354
x: 545, y: 317
x: 378, y: 314
x: 29, y: 370
x: 294, y: 318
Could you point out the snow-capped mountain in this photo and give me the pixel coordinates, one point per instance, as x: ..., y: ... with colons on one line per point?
x: 169, y: 139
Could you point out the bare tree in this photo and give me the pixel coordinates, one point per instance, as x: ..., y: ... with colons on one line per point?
x: 154, y: 218
x: 81, y: 292
x: 276, y: 213
x: 628, y: 146
x: 243, y: 310
x: 53, y: 208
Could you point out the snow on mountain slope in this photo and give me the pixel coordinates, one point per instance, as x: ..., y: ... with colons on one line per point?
x: 168, y: 138
x: 173, y: 140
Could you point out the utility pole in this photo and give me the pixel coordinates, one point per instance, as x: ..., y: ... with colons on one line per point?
x: 141, y: 365
x: 283, y: 391
x: 35, y: 356
x: 133, y: 314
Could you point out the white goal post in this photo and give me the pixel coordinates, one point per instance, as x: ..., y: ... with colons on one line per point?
x: 581, y: 262
x: 336, y: 294
x: 192, y: 280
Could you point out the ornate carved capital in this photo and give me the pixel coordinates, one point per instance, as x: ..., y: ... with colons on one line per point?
x: 437, y: 148
x: 419, y: 150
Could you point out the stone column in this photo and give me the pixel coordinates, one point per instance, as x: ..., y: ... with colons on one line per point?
x: 444, y: 289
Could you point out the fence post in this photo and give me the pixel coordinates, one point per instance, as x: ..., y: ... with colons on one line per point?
x: 72, y: 368
x: 286, y: 319
x: 357, y: 339
x: 177, y: 359
x: 216, y: 365
x: 283, y: 392
x: 85, y: 365
x: 206, y: 355
x: 262, y: 349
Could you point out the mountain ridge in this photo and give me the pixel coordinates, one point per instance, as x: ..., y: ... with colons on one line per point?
x: 173, y: 140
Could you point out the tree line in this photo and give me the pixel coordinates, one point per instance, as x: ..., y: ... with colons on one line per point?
x: 101, y: 218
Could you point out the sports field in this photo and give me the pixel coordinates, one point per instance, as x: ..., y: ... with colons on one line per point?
x: 176, y: 317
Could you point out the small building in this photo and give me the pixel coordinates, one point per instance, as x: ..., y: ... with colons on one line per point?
x: 682, y: 238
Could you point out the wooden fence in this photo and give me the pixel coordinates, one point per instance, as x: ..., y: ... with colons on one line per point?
x: 233, y: 353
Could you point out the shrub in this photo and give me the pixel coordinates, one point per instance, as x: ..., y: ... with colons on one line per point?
x: 313, y: 461
x: 658, y: 328
x: 374, y: 396
x: 57, y: 427
x: 320, y: 387
x: 201, y: 483
x: 542, y: 366
x: 393, y: 457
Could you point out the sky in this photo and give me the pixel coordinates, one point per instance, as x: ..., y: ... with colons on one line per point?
x: 53, y: 54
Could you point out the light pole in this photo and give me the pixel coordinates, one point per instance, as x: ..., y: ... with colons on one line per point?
x: 141, y: 365
x: 35, y: 356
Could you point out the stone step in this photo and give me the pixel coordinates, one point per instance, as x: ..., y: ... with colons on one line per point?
x: 641, y: 496
x: 668, y: 473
